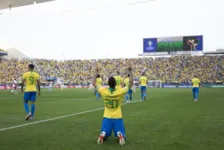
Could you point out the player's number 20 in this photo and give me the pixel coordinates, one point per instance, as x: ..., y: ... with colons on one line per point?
x: 31, y: 80
x: 112, y: 104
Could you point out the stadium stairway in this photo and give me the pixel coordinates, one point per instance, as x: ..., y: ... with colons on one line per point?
x: 38, y: 69
x: 219, y: 70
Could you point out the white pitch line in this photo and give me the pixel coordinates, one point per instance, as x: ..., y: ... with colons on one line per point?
x: 56, y: 118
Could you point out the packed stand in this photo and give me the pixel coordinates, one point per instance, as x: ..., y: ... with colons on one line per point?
x: 206, y: 68
x: 80, y: 72
x: 12, y: 69
x: 172, y: 69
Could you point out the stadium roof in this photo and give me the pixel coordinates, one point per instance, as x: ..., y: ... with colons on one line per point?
x: 214, y: 52
x: 3, y: 53
x: 4, y: 4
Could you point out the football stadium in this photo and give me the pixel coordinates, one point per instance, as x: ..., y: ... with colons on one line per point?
x: 84, y: 75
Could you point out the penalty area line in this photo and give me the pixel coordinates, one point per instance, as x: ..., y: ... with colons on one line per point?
x: 56, y: 118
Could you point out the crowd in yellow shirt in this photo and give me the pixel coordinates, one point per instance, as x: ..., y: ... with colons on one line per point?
x: 204, y: 67
x: 13, y: 69
x: 178, y: 68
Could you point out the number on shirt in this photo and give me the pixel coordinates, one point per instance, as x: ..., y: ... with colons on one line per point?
x: 31, y: 80
x: 112, y: 104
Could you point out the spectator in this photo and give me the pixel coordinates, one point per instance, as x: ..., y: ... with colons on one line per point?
x: 178, y: 69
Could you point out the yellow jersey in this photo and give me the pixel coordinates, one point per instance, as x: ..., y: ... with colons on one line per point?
x: 99, y: 81
x: 143, y: 80
x: 31, y: 81
x: 119, y: 81
x: 112, y: 101
x: 126, y: 81
x: 196, y: 82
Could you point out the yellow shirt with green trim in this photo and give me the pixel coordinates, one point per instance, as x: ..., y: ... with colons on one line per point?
x: 196, y: 82
x: 112, y: 101
x: 31, y: 81
x: 126, y: 81
x: 119, y: 81
x: 143, y: 80
x: 99, y: 81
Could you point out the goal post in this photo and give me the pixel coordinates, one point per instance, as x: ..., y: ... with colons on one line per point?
x: 155, y: 83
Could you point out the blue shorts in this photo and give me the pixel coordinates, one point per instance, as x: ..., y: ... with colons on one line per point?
x: 117, y: 125
x: 129, y: 92
x: 195, y: 90
x: 143, y: 88
x: 30, y: 96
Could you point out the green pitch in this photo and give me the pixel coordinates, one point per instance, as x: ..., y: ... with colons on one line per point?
x: 167, y: 120
x: 167, y: 46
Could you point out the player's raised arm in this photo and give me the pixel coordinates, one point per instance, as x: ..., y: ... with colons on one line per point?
x: 95, y: 76
x: 124, y: 85
x: 131, y: 77
x: 122, y: 82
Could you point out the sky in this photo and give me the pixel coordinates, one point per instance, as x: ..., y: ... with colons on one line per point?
x: 82, y: 29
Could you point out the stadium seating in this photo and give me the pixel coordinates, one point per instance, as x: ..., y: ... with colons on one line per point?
x: 173, y: 69
x: 11, y: 69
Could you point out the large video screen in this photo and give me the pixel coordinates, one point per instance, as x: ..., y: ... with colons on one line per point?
x: 192, y: 43
x: 169, y: 44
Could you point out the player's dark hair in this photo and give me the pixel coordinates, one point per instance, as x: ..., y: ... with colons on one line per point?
x: 143, y: 73
x: 118, y: 72
x: 31, y: 66
x: 112, y: 82
x: 128, y: 75
x: 98, y: 76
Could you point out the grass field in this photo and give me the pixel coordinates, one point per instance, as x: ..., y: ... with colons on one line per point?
x: 167, y: 120
x: 167, y: 46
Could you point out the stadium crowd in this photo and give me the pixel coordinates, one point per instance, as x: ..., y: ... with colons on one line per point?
x: 12, y: 69
x: 168, y: 69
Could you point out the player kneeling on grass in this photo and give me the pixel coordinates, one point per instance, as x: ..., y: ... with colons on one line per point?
x: 31, y: 80
x: 112, y: 119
